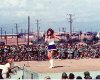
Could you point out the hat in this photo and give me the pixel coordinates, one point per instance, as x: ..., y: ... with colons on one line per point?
x: 5, y: 47
x: 30, y: 43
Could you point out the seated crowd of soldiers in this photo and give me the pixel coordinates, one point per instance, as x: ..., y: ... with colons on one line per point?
x: 39, y: 52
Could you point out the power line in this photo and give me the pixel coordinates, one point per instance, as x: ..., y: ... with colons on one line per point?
x: 38, y: 29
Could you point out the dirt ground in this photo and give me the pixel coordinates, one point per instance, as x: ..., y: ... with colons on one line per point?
x: 67, y: 65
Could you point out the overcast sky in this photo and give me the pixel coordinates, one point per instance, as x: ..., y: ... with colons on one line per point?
x: 51, y: 13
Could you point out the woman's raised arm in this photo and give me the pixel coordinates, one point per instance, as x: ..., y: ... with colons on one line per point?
x: 57, y: 37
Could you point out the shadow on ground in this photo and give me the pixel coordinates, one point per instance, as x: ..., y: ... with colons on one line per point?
x: 58, y: 66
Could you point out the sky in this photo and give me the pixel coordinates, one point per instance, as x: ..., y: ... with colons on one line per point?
x: 51, y: 14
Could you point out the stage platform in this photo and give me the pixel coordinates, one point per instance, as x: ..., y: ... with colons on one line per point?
x: 68, y: 66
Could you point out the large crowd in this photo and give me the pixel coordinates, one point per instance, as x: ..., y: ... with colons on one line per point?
x: 39, y: 52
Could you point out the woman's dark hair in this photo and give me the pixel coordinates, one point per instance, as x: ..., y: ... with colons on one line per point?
x: 52, y: 32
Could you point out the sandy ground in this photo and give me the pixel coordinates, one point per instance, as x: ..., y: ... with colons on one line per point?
x: 63, y: 65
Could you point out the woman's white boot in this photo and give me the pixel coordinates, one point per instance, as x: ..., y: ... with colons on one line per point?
x: 51, y: 63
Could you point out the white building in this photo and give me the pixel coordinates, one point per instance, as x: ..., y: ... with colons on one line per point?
x: 98, y: 35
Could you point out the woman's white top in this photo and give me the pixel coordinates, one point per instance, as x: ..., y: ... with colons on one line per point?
x: 51, y: 41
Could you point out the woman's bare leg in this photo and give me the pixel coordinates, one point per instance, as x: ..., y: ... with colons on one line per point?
x: 50, y: 56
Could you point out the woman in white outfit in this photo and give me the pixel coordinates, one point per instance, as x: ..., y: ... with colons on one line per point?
x: 50, y: 38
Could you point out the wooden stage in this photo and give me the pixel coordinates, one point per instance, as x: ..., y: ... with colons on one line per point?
x: 68, y: 65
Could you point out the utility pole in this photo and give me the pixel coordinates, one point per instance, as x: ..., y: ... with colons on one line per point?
x: 6, y: 37
x: 12, y: 32
x: 25, y: 35
x: 24, y: 31
x: 21, y: 31
x: 1, y: 33
x: 37, y: 31
x: 59, y: 30
x: 70, y: 20
x: 28, y: 29
x: 17, y: 33
x: 65, y: 33
x: 70, y: 25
